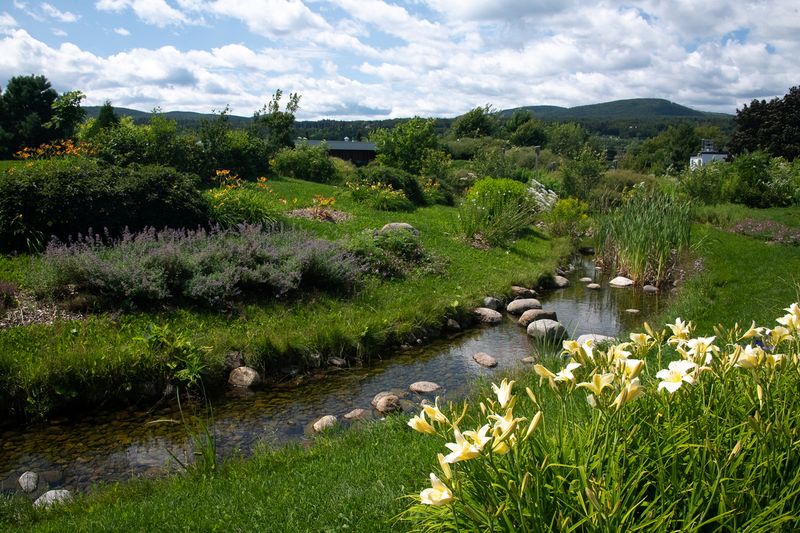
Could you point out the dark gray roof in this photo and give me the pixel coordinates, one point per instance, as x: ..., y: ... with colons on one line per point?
x: 343, y: 145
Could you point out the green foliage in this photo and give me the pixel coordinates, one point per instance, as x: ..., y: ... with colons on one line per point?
x: 221, y: 147
x: 181, y: 360
x: 67, y: 114
x: 8, y: 295
x: 477, y: 122
x: 392, y: 254
x: 380, y: 196
x: 397, y: 179
x: 494, y: 211
x: 407, y: 145
x: 494, y: 162
x: 567, y: 218
x: 611, y: 190
x: 761, y: 181
x: 582, y: 173
x: 530, y: 133
x: 666, y: 153
x: 27, y: 107
x: 567, y: 139
x: 231, y: 206
x: 310, y: 163
x: 106, y: 117
x: 645, y: 236
x: 64, y: 197
x: 769, y: 126
x: 274, y: 125
x: 469, y: 147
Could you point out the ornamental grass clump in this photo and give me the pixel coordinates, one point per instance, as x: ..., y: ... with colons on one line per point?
x: 669, y: 431
x: 645, y: 236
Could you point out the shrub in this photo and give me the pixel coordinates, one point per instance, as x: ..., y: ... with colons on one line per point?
x: 468, y: 147
x: 567, y: 218
x: 234, y: 203
x: 397, y: 179
x: 495, y: 162
x: 609, y: 192
x: 706, y: 439
x: 761, y: 181
x: 310, y: 163
x: 380, y: 196
x: 210, y: 268
x: 710, y: 184
x: 495, y: 210
x: 582, y: 173
x: 64, y: 197
x: 645, y: 235
x: 390, y: 255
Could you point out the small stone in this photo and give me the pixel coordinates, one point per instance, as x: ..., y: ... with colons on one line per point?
x: 452, y: 325
x: 517, y: 307
x: 594, y: 286
x: 337, y: 361
x: 398, y: 226
x: 488, y: 316
x: 484, y: 359
x: 595, y: 337
x: 528, y: 360
x: 560, y: 282
x: 28, y: 481
x: 424, y: 387
x: 547, y: 329
x: 53, y: 496
x: 357, y: 414
x: 233, y: 360
x: 490, y: 302
x: 585, y: 280
x: 388, y: 403
x: 324, y: 423
x: 535, y: 314
x: 244, y: 377
x: 632, y: 311
x: 650, y: 289
x: 620, y: 282
x: 522, y: 292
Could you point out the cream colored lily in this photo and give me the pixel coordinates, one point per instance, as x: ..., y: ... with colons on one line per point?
x: 461, y: 449
x: 792, y: 319
x: 479, y: 438
x: 418, y: 423
x: 676, y: 374
x: 701, y: 350
x: 617, y: 352
x: 749, y: 357
x: 434, y: 413
x: 438, y: 494
x: 752, y: 332
x: 598, y: 383
x: 503, y: 392
x: 630, y: 368
x: 680, y: 332
x: 565, y: 374
x: 629, y: 392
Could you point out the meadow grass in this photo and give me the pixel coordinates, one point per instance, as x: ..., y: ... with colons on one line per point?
x: 356, y: 479
x: 99, y: 360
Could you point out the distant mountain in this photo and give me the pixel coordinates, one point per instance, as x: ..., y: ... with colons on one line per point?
x: 181, y: 117
x: 632, y: 109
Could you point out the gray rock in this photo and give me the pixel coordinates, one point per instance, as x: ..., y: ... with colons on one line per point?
x: 337, y: 361
x: 560, y: 282
x: 585, y: 280
x: 324, y: 423
x: 522, y: 292
x: 650, y: 289
x: 233, y: 360
x: 547, y: 329
x: 632, y: 311
x: 517, y: 307
x: 484, y: 359
x: 52, y: 497
x: 490, y: 302
x: 620, y: 282
x: 535, y: 314
x: 386, y: 403
x: 28, y: 481
x: 596, y: 337
x: 398, y: 226
x: 424, y: 387
x: 594, y: 286
x: 488, y: 316
x: 452, y: 325
x: 528, y: 360
x: 244, y: 377
x: 357, y: 414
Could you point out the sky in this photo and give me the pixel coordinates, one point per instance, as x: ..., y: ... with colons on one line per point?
x: 371, y: 59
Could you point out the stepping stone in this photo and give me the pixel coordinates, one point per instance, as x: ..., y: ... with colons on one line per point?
x: 547, y: 329
x: 386, y: 402
x: 560, y: 282
x: 324, y: 423
x: 650, y: 289
x: 484, y: 359
x: 535, y: 314
x: 424, y: 387
x: 522, y: 292
x: 632, y: 311
x: 585, y: 280
x: 357, y: 414
x: 244, y: 377
x: 528, y: 360
x: 488, y: 316
x: 594, y: 286
x: 620, y: 282
x: 490, y: 302
x: 517, y: 307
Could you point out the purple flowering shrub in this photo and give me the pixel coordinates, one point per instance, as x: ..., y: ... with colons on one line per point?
x: 207, y: 267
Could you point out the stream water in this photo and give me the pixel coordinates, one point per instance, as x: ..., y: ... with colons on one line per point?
x: 123, y: 444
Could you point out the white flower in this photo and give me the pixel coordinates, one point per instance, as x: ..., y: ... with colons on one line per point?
x: 675, y: 375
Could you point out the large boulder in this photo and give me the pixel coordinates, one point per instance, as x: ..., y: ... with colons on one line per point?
x: 52, y: 497
x: 244, y: 377
x: 398, y: 226
x: 621, y: 282
x: 324, y: 423
x: 517, y: 307
x: 546, y: 329
x: 532, y: 315
x: 484, y: 359
x: 487, y: 316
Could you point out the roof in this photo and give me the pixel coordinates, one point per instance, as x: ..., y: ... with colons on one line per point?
x: 345, y: 145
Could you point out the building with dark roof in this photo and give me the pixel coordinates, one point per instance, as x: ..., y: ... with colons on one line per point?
x: 357, y: 152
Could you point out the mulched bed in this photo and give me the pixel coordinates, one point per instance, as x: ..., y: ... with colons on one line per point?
x: 768, y: 230
x: 30, y: 311
x: 325, y: 215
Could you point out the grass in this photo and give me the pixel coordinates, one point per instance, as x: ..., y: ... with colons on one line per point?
x: 99, y: 361
x: 356, y: 479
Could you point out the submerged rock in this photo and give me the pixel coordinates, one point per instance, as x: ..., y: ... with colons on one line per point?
x: 535, y: 314
x: 424, y: 387
x: 324, y: 423
x: 484, y: 359
x: 357, y: 414
x: 487, y: 316
x: 28, y: 481
x: 244, y: 377
x: 52, y: 497
x: 517, y: 307
x: 650, y: 289
x: 621, y: 281
x: 594, y: 286
x: 547, y: 329
x: 560, y: 282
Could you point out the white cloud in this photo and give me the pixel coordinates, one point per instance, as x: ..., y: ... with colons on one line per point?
x: 155, y: 12
x: 62, y: 16
x: 7, y: 21
x: 58, y: 32
x: 122, y: 31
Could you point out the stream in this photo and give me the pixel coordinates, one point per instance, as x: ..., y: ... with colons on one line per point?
x: 119, y: 445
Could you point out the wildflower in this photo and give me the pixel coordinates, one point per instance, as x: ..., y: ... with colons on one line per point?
x: 598, y: 383
x: 503, y: 392
x: 566, y: 374
x: 680, y: 332
x: 418, y: 423
x: 675, y: 375
x: 753, y: 331
x: 438, y: 494
x: 571, y: 347
x: 461, y: 449
x: 537, y: 419
x: 792, y: 319
x: 543, y: 372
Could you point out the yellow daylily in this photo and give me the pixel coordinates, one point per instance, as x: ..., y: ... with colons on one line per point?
x: 630, y: 368
x: 448, y: 474
x: 618, y: 352
x: 676, y: 374
x: 641, y: 340
x: 543, y: 371
x: 792, y: 319
x: 438, y: 494
x: 680, y: 332
x: 751, y: 332
x: 461, y: 449
x: 418, y: 423
x: 434, y: 413
x: 565, y: 374
x: 629, y: 392
x: 479, y: 438
x: 701, y: 350
x: 598, y: 383
x: 571, y: 347
x: 503, y: 392
x: 537, y: 419
x: 749, y: 357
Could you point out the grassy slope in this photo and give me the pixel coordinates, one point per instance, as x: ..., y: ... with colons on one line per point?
x: 99, y: 358
x: 357, y: 479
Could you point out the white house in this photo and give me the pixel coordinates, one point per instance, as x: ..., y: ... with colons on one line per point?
x: 707, y: 155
